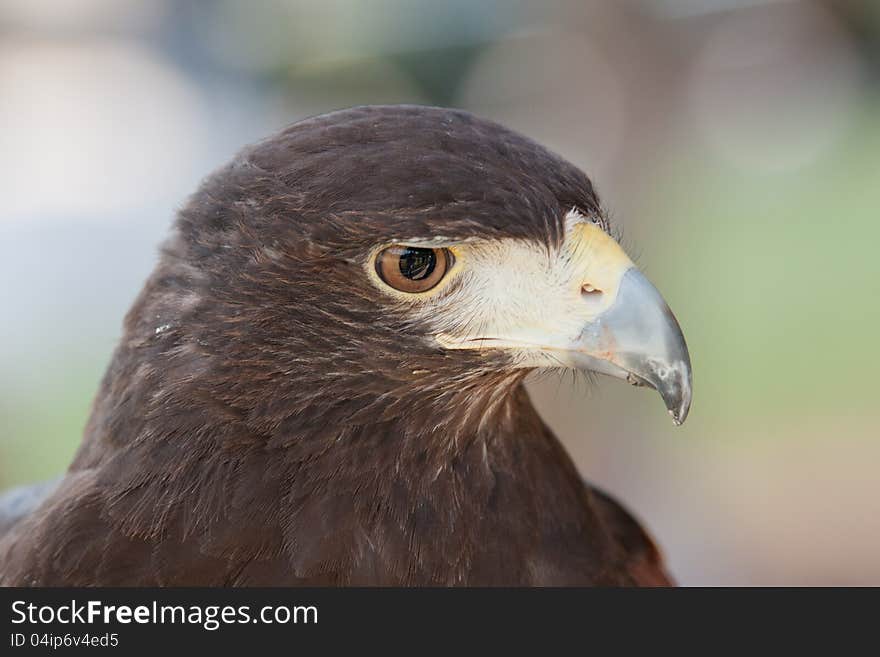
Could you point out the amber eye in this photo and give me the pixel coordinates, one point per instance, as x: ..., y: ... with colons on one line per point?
x: 411, y: 269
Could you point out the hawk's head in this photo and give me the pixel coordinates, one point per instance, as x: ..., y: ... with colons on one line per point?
x: 382, y: 261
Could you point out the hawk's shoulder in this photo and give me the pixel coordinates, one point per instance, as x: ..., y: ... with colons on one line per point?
x: 643, y: 561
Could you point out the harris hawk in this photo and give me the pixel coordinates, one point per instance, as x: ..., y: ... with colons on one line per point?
x: 321, y: 382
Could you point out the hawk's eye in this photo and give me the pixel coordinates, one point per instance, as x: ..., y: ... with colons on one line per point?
x: 412, y: 269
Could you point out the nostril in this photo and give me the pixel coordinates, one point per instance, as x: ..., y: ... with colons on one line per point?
x: 588, y: 290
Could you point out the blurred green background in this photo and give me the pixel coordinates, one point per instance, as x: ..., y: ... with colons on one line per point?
x: 736, y: 142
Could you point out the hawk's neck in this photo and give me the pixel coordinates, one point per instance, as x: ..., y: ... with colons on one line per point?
x: 449, y: 494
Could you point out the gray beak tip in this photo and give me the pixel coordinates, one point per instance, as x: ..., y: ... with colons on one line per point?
x: 679, y: 415
x: 676, y: 394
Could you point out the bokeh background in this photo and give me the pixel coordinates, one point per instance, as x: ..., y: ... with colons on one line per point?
x: 737, y: 143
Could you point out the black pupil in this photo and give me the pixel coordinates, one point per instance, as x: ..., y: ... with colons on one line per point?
x: 417, y: 264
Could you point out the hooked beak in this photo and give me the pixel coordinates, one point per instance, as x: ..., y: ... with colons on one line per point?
x: 631, y: 333
x: 638, y: 339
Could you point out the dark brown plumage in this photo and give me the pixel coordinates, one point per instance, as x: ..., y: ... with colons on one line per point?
x: 269, y: 417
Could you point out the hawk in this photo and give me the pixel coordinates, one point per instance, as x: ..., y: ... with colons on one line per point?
x: 321, y: 382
